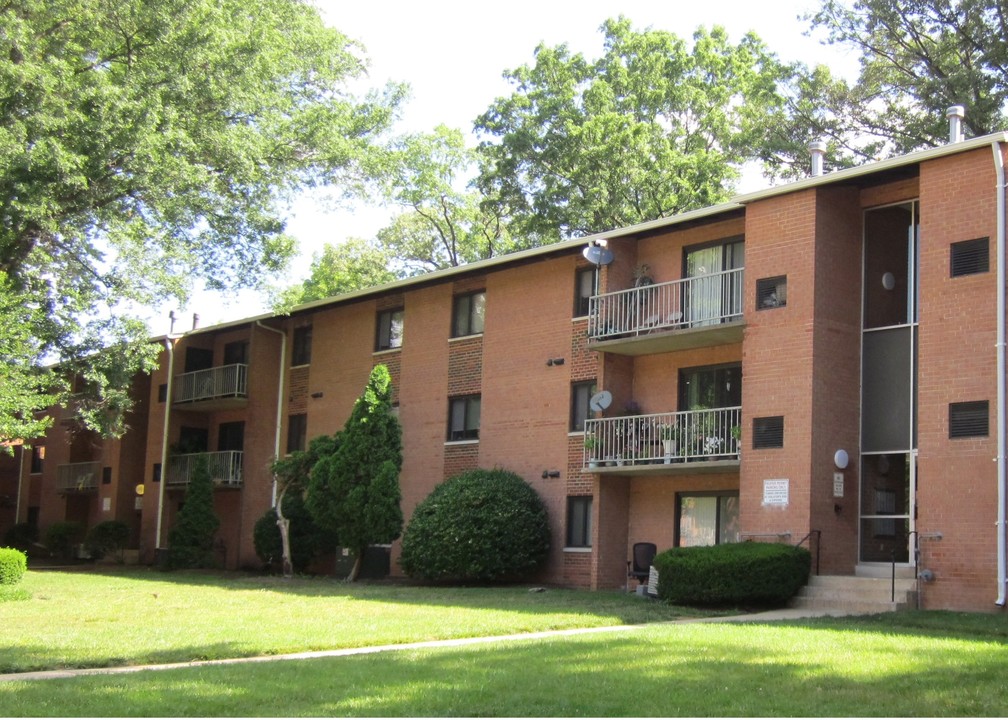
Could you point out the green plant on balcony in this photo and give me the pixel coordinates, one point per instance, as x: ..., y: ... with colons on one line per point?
x: 590, y: 444
x: 671, y: 437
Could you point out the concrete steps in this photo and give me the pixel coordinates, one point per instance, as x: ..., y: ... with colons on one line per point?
x: 852, y: 595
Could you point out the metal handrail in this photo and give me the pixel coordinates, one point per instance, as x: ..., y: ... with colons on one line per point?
x: 225, y: 468
x: 663, y: 437
x: 678, y: 304
x: 818, y: 553
x: 218, y: 382
x: 78, y: 476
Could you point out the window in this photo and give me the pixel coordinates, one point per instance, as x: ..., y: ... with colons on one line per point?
x: 297, y: 430
x: 162, y: 392
x: 464, y: 418
x: 707, y: 519
x: 768, y: 432
x: 301, y: 352
x: 969, y: 257
x: 579, y: 521
x: 467, y: 314
x: 771, y: 292
x: 390, y: 329
x: 231, y: 436
x: 713, y: 293
x: 707, y: 388
x: 968, y: 419
x: 106, y: 475
x: 37, y: 456
x: 584, y: 288
x: 581, y: 393
x: 156, y: 474
x: 236, y: 353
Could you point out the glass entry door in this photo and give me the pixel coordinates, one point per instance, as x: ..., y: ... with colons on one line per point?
x: 712, y: 295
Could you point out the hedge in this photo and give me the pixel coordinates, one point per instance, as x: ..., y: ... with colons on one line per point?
x: 61, y: 537
x: 748, y: 573
x: 13, y: 564
x: 107, y: 537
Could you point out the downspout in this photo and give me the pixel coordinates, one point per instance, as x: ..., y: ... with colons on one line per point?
x: 17, y: 503
x: 1001, y: 410
x: 280, y: 395
x: 170, y: 347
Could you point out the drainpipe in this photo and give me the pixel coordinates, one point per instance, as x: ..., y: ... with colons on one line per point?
x: 280, y: 395
x: 169, y: 342
x: 1001, y: 410
x: 17, y: 503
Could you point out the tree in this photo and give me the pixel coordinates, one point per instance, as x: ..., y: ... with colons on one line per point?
x: 446, y: 222
x: 917, y: 59
x: 343, y: 268
x: 145, y: 145
x: 190, y: 542
x: 354, y: 492
x: 291, y: 474
x: 650, y: 129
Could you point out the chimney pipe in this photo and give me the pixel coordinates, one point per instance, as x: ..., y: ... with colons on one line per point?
x: 955, y: 116
x: 818, y: 150
x: 171, y: 321
x: 195, y: 320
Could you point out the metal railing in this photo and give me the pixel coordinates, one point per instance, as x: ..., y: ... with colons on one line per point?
x: 219, y: 382
x: 818, y: 545
x: 688, y: 303
x: 225, y: 468
x: 663, y: 438
x: 78, y: 476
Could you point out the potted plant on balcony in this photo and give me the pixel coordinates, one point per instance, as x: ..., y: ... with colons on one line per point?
x: 736, y: 433
x: 670, y: 436
x: 590, y: 443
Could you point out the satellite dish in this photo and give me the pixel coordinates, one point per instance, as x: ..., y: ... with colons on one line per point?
x: 600, y: 401
x: 597, y: 255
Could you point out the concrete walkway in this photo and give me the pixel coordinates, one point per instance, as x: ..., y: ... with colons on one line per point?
x: 767, y: 616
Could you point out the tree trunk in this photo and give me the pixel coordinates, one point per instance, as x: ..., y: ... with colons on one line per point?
x: 283, y: 523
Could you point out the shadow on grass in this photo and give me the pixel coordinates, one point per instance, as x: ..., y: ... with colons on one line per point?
x: 682, y: 670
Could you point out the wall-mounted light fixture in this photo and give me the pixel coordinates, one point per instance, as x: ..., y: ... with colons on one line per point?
x: 550, y: 474
x: 840, y: 459
x: 888, y: 280
x: 554, y: 361
x: 316, y: 395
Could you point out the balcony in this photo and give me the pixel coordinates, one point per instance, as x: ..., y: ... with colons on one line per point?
x: 78, y: 477
x: 225, y: 468
x: 695, y: 441
x: 217, y: 388
x: 677, y: 315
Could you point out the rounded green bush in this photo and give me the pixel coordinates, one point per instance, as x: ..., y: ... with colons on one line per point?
x: 13, y: 564
x: 481, y: 525
x: 61, y: 537
x: 106, y: 537
x: 22, y: 536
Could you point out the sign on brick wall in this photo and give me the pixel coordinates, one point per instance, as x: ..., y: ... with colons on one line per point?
x: 775, y: 492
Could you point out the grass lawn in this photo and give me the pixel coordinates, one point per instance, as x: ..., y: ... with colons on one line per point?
x: 907, y: 664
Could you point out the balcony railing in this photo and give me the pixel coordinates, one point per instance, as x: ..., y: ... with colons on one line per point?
x: 225, y: 468
x: 226, y: 381
x: 695, y: 302
x: 663, y: 438
x: 78, y: 477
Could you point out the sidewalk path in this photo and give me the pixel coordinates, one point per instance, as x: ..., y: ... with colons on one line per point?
x: 770, y: 615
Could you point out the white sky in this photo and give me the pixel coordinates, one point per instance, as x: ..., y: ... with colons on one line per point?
x: 453, y: 54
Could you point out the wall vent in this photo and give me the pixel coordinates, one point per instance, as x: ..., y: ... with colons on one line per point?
x: 969, y: 257
x: 969, y: 419
x: 768, y: 432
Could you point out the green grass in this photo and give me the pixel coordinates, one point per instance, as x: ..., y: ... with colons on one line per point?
x: 906, y: 664
x: 97, y: 619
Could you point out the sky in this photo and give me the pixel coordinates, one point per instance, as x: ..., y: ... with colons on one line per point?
x: 453, y: 55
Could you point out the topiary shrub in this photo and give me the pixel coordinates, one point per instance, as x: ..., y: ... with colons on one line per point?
x: 481, y: 525
x: 62, y: 537
x: 306, y: 539
x: 13, y: 564
x: 106, y: 537
x: 22, y: 536
x: 190, y: 542
x: 748, y: 573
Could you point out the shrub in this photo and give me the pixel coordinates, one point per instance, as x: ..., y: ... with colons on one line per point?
x: 749, y: 573
x: 305, y: 536
x: 22, y: 536
x: 190, y: 542
x: 106, y: 537
x: 481, y: 525
x: 61, y: 538
x: 13, y: 564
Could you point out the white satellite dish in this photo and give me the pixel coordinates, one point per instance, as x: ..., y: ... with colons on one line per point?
x: 598, y: 255
x: 600, y: 401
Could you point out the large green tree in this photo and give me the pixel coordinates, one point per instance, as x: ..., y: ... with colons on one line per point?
x: 654, y: 127
x: 354, y: 491
x: 341, y: 268
x: 917, y: 59
x: 148, y: 144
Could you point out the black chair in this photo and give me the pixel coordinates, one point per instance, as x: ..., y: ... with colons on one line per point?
x: 639, y: 567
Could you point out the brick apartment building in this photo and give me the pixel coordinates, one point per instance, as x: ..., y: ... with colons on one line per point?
x: 815, y: 363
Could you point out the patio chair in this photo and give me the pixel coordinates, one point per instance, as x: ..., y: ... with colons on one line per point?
x: 639, y: 566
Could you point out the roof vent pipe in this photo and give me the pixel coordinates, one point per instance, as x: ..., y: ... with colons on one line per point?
x: 818, y: 150
x: 955, y: 117
x: 195, y: 320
